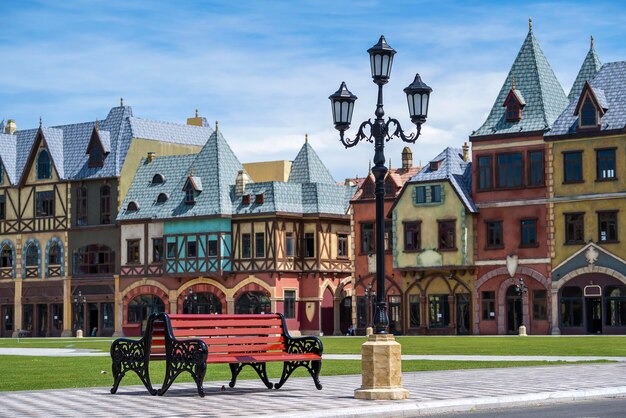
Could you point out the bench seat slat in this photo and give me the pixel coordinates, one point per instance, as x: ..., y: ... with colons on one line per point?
x: 261, y: 358
x: 245, y: 348
x: 222, y: 316
x: 216, y: 322
x: 209, y: 332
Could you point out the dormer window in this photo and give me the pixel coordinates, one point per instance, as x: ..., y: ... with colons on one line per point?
x: 162, y: 198
x: 592, y: 105
x: 245, y: 199
x: 190, y: 195
x: 44, y: 169
x: 132, y: 206
x: 588, y: 114
x: 368, y: 189
x: 514, y: 104
x: 434, y: 165
x: 192, y: 187
x: 158, y: 179
x: 259, y: 199
x: 95, y: 157
x: 390, y: 188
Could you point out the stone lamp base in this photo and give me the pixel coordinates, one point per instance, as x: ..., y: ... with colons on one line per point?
x: 381, y: 365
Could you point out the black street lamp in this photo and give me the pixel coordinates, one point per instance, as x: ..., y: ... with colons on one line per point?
x: 79, y: 303
x: 520, y: 287
x: 380, y: 131
x: 191, y: 301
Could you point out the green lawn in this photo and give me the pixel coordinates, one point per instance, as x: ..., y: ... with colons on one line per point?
x: 31, y: 373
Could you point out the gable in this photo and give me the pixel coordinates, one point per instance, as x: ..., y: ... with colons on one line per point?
x: 29, y: 174
x: 589, y: 255
x: 96, y: 149
x: 597, y: 98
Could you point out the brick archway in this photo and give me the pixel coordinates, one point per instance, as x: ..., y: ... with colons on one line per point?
x: 201, y: 288
x: 144, y: 290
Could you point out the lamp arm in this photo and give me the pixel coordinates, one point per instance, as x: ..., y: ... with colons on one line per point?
x: 360, y: 135
x: 398, y: 132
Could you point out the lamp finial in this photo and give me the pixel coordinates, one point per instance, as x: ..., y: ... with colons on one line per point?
x: 592, y: 42
x: 196, y: 113
x: 217, y: 126
x: 306, y: 138
x: 530, y: 24
x: 97, y: 124
x: 40, y: 121
x: 121, y: 102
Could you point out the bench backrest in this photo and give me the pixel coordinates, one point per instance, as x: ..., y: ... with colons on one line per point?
x: 224, y: 334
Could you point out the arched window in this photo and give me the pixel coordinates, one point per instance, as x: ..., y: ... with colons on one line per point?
x: 390, y: 188
x: 140, y: 308
x: 202, y: 303
x: 6, y: 256
x: 44, y: 170
x: 615, y: 303
x: 32, y: 256
x: 55, y: 257
x: 253, y: 303
x: 105, y: 204
x: 132, y: 206
x: 81, y: 206
x: 162, y: 198
x: 158, y: 179
x: 190, y: 195
x: 31, y: 259
x: 588, y: 113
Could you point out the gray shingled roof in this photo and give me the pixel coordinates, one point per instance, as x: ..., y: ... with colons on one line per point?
x: 590, y: 67
x: 308, y: 168
x: 611, y: 80
x: 534, y: 78
x: 68, y: 143
x: 453, y: 169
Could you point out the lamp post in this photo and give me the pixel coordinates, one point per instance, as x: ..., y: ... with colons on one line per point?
x: 370, y: 295
x: 79, y: 303
x: 191, y: 300
x: 380, y: 131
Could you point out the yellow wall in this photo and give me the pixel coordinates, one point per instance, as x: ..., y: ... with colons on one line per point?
x: 428, y: 214
x: 139, y: 149
x: 268, y: 170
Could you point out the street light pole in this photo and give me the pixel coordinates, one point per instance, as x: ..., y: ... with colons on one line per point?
x: 380, y: 131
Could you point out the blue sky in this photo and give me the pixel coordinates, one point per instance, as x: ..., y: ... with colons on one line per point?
x: 265, y: 69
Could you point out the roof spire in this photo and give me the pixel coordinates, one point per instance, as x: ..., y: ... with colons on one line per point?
x: 121, y: 102
x: 97, y: 124
x: 217, y: 126
x: 593, y: 42
x: 530, y: 24
x: 306, y: 138
x: 40, y: 122
x: 196, y: 112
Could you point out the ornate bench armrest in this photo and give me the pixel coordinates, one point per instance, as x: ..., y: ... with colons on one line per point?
x: 187, y: 351
x: 305, y: 345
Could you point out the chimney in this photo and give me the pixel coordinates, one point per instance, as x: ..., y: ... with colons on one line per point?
x: 151, y: 156
x: 196, y: 121
x: 465, y: 152
x: 10, y: 127
x: 241, y: 182
x: 407, y: 158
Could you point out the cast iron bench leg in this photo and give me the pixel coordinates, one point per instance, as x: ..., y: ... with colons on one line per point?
x: 235, y: 369
x: 313, y: 367
x: 129, y: 355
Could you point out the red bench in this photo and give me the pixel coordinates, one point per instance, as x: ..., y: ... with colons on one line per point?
x: 189, y: 342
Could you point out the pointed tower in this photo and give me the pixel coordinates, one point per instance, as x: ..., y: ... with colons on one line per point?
x: 532, y: 78
x: 590, y: 67
x: 308, y: 168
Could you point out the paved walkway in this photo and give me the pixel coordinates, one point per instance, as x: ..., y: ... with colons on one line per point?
x: 430, y: 392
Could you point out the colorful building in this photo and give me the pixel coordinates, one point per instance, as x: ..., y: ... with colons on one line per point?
x: 510, y: 190
x: 432, y: 246
x: 198, y: 235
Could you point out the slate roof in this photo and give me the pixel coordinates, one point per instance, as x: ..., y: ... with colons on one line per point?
x: 68, y: 143
x: 308, y: 168
x: 544, y: 96
x: 589, y: 68
x: 216, y: 167
x: 453, y: 169
x: 611, y: 81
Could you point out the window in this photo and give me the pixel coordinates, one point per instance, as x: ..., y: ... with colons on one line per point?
x: 540, y: 305
x: 289, y: 244
x: 414, y: 311
x: 6, y: 257
x: 388, y: 236
x: 253, y: 303
x: 157, y: 250
x: 572, y: 307
x: 132, y: 251
x: 132, y: 206
x: 394, y: 303
x: 171, y: 250
x: 412, y: 236
x: 309, y: 244
x: 192, y: 249
x: 259, y: 199
x: 342, y: 245
x: 536, y: 168
x: 420, y: 194
x: 607, y: 226
x: 55, y: 257
x: 588, y: 114
x: 44, y: 170
x: 529, y: 233
x: 105, y: 205
x: 3, y: 206
x: 513, y: 111
x: 245, y: 199
x: 290, y: 304
x: 45, y: 203
x: 158, y: 179
x: 484, y: 172
x: 81, y: 206
x: 246, y: 244
x: 390, y: 188
x: 574, y: 228
x: 190, y: 194
x: 259, y: 245
x: 95, y: 156
x: 573, y: 167
x: 509, y: 169
x: 438, y: 308
x: 161, y: 198
x: 367, y: 238
x: 140, y: 308
x: 32, y: 255
x: 447, y: 232
x: 368, y: 189
x: 435, y: 193
x: 212, y: 248
x: 605, y: 163
x: 495, y: 238
x: 488, y: 305
x: 94, y: 259
x: 615, y: 303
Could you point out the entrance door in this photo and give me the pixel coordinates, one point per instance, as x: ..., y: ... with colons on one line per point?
x: 328, y: 313
x: 345, y: 314
x: 7, y: 321
x: 513, y: 310
x: 42, y: 320
x: 92, y: 329
x: 594, y: 315
x: 462, y: 314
